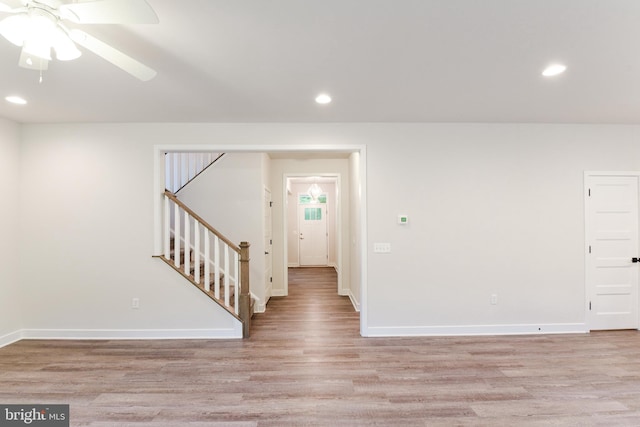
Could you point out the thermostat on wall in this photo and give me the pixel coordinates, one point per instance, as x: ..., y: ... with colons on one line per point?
x: 403, y: 219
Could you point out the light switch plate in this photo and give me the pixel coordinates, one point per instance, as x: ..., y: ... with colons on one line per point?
x: 382, y: 248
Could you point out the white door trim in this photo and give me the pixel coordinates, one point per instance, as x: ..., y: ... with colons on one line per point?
x: 268, y: 246
x: 587, y: 234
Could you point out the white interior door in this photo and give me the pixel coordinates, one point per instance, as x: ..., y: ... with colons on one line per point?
x: 312, y: 230
x: 612, y: 240
x: 268, y: 245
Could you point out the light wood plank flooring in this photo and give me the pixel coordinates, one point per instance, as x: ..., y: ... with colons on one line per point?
x: 306, y: 365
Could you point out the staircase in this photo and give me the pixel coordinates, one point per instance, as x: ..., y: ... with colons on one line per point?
x: 199, y: 252
x: 215, y: 287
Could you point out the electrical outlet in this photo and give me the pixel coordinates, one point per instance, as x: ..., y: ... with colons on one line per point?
x: 494, y: 299
x: 135, y: 303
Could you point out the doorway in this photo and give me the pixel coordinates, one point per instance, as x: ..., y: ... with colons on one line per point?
x: 612, y: 250
x: 313, y: 220
x: 300, y: 158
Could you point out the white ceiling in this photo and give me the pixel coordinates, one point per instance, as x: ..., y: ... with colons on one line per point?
x: 381, y: 60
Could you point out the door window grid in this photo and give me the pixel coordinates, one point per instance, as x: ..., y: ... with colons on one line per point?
x: 312, y: 214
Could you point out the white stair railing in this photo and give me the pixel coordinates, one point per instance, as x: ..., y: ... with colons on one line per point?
x: 200, y: 251
x: 182, y: 168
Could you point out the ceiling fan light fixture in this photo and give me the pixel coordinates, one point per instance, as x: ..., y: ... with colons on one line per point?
x: 38, y: 48
x: 32, y: 63
x: 66, y: 49
x: 38, y: 28
x: 14, y: 28
x: 40, y: 35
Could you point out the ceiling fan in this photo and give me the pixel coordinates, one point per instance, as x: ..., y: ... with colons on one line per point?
x: 38, y: 27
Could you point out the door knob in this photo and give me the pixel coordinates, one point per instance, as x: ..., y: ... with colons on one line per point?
x: 635, y: 259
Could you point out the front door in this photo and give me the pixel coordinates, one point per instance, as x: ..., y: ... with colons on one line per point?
x: 312, y: 227
x: 612, y: 245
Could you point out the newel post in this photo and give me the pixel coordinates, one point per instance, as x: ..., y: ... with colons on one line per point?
x: 244, y: 299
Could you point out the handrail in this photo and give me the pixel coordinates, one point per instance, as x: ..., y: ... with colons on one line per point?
x: 197, y: 174
x: 181, y: 168
x: 173, y: 197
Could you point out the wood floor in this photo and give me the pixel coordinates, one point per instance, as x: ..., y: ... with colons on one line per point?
x: 306, y: 365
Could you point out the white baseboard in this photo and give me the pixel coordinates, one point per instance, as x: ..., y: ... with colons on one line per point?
x: 293, y: 265
x: 354, y: 302
x: 278, y: 293
x: 10, y: 338
x: 131, y: 334
x: 525, y: 329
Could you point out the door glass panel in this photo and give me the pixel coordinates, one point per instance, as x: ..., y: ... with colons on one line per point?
x: 305, y: 199
x: 312, y: 214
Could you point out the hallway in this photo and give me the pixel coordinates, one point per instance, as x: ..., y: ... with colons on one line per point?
x: 312, y: 311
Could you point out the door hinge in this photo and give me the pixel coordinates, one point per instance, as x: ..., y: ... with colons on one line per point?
x: 589, y: 248
x: 589, y: 305
x: 270, y: 204
x: 271, y: 279
x: 271, y: 241
x: 589, y: 192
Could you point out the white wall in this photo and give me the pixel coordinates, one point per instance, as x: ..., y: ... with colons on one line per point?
x: 87, y: 226
x: 493, y: 209
x: 10, y: 299
x: 229, y: 196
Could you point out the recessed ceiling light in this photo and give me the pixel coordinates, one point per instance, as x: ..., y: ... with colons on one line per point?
x: 16, y: 100
x: 554, y: 70
x: 323, y: 98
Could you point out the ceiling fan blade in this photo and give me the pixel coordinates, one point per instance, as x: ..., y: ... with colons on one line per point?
x: 110, y: 12
x: 113, y: 55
